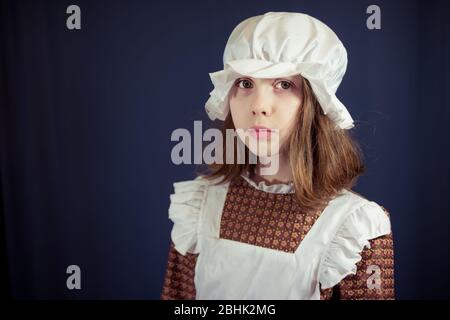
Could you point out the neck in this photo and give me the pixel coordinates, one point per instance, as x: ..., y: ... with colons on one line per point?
x: 283, y: 175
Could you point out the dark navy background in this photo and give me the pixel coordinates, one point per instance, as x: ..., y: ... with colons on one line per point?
x: 86, y: 118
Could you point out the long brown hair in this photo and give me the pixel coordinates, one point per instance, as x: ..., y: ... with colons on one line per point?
x: 323, y: 159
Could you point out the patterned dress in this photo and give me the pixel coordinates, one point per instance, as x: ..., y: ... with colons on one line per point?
x: 267, y: 216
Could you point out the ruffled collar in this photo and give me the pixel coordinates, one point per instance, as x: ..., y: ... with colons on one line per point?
x: 271, y: 188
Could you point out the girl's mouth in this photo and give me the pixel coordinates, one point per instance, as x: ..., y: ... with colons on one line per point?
x: 260, y: 132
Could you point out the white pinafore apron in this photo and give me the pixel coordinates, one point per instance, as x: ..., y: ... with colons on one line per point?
x: 228, y: 269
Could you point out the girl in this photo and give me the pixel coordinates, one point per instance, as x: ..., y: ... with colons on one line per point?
x: 299, y: 232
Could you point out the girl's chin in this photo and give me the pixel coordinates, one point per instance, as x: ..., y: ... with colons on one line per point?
x: 263, y: 151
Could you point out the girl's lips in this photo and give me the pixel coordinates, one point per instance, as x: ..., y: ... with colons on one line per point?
x: 260, y: 132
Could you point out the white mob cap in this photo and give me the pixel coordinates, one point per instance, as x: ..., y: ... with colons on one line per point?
x: 283, y: 44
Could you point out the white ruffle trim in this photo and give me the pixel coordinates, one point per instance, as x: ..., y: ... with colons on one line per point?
x: 185, y: 212
x: 270, y: 188
x: 367, y: 222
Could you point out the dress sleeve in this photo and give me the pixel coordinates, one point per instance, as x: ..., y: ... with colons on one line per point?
x: 185, y: 212
x: 374, y: 277
x: 366, y: 222
x: 179, y: 276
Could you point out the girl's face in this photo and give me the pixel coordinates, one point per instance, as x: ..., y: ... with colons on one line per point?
x: 271, y: 103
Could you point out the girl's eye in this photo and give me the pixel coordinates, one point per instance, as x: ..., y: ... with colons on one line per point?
x: 245, y: 84
x: 285, y: 85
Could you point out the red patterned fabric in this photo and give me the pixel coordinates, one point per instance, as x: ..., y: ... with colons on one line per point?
x: 276, y: 221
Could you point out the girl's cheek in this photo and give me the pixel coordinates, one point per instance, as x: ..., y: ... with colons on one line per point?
x: 243, y: 92
x: 242, y: 99
x: 237, y: 104
x: 290, y: 98
x: 286, y: 93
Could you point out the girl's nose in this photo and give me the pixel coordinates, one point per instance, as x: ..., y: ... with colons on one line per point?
x: 261, y: 104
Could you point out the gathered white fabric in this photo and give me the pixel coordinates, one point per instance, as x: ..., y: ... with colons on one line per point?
x: 282, y: 44
x: 228, y: 269
x: 184, y: 211
x: 270, y: 188
x: 365, y: 223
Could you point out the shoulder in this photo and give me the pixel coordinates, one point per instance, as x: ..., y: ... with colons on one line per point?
x: 359, y: 196
x: 355, y: 204
x: 200, y: 182
x: 362, y: 220
x: 365, y: 218
x: 186, y: 207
